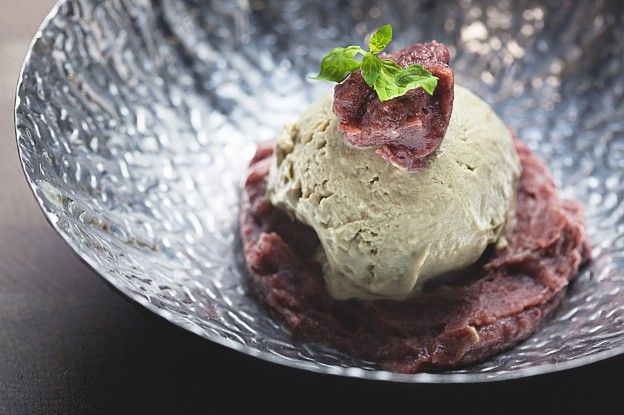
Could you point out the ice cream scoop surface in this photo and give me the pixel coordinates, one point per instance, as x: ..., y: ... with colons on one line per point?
x: 383, y: 229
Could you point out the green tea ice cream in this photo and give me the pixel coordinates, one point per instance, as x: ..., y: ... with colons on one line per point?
x: 384, y: 230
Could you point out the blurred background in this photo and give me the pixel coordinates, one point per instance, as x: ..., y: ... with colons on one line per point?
x: 69, y: 344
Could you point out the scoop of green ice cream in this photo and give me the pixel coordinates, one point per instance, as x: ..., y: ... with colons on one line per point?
x: 383, y: 230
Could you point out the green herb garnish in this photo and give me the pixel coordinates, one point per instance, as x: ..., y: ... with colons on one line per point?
x: 387, y: 78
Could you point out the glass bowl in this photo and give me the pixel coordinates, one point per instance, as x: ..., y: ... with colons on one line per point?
x: 136, y: 119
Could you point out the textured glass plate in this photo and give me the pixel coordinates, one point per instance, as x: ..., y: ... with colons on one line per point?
x: 136, y: 118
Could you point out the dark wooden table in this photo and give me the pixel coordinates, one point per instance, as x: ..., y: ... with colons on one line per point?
x: 71, y: 345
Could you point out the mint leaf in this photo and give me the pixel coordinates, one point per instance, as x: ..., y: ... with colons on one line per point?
x: 394, y: 81
x: 339, y: 63
x: 415, y: 76
x: 371, y: 66
x: 380, y: 39
x: 385, y: 84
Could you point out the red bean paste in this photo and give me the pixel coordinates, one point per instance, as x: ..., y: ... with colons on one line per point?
x: 404, y: 130
x: 499, y: 302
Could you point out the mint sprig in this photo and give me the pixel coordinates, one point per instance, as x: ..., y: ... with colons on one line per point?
x: 380, y: 39
x: 339, y: 63
x: 385, y: 76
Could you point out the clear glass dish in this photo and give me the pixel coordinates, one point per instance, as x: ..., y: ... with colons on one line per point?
x: 136, y: 119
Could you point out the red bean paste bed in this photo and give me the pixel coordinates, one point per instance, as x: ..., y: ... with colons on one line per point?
x: 499, y: 303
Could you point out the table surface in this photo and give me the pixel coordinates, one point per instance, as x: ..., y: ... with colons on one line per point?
x: 69, y: 344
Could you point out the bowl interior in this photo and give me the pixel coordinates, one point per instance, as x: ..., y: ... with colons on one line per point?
x: 136, y: 119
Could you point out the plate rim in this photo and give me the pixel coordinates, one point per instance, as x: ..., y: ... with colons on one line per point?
x: 352, y: 372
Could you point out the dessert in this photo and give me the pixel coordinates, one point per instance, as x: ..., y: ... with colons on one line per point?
x: 399, y: 220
